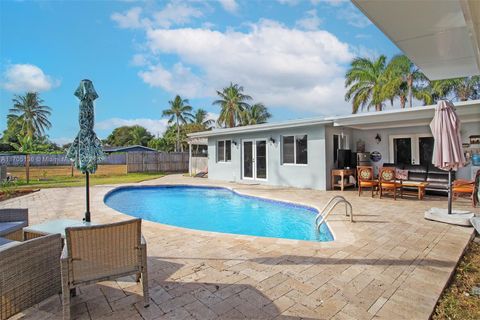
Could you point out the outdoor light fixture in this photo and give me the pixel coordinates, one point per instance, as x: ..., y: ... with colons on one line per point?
x: 234, y: 142
x: 272, y: 140
x: 378, y: 138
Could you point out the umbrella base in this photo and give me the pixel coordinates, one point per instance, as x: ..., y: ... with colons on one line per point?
x: 457, y: 217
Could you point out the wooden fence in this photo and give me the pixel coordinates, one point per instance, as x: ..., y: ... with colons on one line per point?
x: 157, y: 162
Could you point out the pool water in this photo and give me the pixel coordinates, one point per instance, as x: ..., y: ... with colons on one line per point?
x: 219, y: 210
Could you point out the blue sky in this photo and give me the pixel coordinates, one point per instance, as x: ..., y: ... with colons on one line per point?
x: 291, y: 55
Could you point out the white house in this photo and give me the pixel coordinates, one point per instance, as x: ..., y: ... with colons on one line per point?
x: 302, y: 153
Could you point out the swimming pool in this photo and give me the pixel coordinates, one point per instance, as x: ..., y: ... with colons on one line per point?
x: 219, y: 210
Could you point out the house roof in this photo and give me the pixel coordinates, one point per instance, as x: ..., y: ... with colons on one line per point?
x: 127, y: 148
x: 441, y: 37
x: 468, y: 111
x: 260, y: 127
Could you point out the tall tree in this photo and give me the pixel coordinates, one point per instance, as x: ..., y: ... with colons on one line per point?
x: 365, y: 82
x: 179, y: 113
x: 461, y: 89
x: 31, y: 114
x: 232, y: 102
x: 256, y: 114
x: 129, y: 135
x: 403, y: 76
x: 200, y: 118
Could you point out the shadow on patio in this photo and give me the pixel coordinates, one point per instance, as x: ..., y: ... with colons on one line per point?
x: 170, y: 299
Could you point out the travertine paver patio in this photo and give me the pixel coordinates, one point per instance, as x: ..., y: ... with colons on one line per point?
x: 389, y: 264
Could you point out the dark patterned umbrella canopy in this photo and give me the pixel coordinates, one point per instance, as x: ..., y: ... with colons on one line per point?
x: 86, y: 149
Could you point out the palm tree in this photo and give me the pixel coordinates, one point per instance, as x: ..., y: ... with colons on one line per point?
x: 403, y: 75
x: 462, y: 89
x: 31, y: 114
x: 179, y: 113
x: 200, y: 118
x: 365, y: 81
x: 232, y: 103
x: 256, y: 114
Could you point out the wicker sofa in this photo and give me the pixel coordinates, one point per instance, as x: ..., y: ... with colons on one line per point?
x: 29, y: 273
x: 12, y: 222
x: 437, y: 179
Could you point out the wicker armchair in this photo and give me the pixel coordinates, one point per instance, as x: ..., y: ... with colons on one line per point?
x: 103, y: 252
x: 12, y: 222
x: 29, y: 273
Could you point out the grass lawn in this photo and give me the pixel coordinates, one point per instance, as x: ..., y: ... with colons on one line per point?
x: 457, y: 301
x: 95, y: 179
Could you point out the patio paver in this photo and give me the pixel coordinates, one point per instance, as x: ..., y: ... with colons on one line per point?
x: 390, y: 263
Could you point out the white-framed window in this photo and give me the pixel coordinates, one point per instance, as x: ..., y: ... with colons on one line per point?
x: 295, y: 149
x: 224, y: 150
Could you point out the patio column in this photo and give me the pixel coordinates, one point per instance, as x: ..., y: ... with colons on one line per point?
x: 190, y: 158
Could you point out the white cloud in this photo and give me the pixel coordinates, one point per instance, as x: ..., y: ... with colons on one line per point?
x: 334, y: 3
x: 289, y: 2
x: 176, y: 13
x: 277, y: 65
x: 62, y: 141
x: 155, y: 126
x: 178, y: 80
x: 27, y: 77
x: 139, y: 60
x: 311, y: 21
x: 130, y: 19
x: 229, y: 5
x: 353, y: 17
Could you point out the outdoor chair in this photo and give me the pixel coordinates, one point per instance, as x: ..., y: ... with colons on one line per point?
x: 100, y: 253
x: 469, y: 188
x: 29, y: 273
x: 389, y: 183
x: 366, y: 179
x: 12, y: 222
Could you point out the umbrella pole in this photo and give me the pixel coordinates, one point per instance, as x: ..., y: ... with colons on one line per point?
x: 450, y: 191
x: 87, y: 191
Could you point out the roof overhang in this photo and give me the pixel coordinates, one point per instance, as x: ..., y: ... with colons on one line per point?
x: 441, y: 37
x: 468, y: 111
x: 260, y: 127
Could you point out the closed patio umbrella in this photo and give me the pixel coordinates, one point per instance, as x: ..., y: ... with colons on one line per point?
x: 86, y: 149
x: 447, y: 148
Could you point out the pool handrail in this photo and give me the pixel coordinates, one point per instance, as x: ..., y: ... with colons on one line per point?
x: 329, y: 206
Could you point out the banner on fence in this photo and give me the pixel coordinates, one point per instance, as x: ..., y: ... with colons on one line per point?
x: 39, y: 160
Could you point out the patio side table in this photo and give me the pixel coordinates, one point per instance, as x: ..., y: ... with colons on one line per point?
x: 51, y: 227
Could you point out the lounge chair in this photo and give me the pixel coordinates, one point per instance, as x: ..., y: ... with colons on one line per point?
x: 103, y: 252
x: 12, y: 222
x: 469, y: 188
x: 201, y: 174
x: 30, y: 273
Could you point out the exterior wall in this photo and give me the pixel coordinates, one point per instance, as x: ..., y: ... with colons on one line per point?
x: 311, y: 175
x: 383, y: 147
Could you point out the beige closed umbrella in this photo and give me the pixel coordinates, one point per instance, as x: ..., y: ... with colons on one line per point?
x: 447, y: 148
